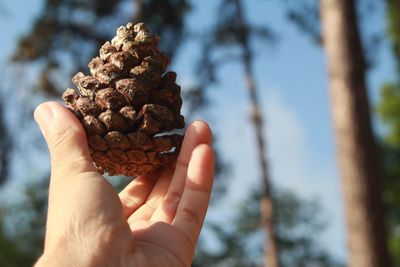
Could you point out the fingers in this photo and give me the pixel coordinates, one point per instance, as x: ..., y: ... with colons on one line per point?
x: 136, y: 192
x: 65, y: 138
x: 154, y: 199
x: 197, y: 133
x: 192, y: 208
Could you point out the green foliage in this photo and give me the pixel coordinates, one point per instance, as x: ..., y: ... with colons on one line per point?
x: 389, y: 112
x: 10, y: 255
x: 391, y: 198
x: 27, y: 219
x: 298, y: 224
x: 393, y: 29
x: 24, y: 223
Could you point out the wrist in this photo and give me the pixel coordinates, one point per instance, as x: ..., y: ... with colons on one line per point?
x: 60, y: 260
x: 47, y: 261
x: 60, y: 255
x: 66, y: 255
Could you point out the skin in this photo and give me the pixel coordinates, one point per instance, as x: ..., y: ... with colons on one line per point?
x: 154, y: 221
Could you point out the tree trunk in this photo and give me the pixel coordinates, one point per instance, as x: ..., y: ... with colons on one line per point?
x: 138, y: 15
x: 271, y: 256
x: 266, y: 201
x: 5, y: 144
x: 358, y: 159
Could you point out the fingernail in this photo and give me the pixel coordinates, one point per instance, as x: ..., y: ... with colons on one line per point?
x: 43, y: 115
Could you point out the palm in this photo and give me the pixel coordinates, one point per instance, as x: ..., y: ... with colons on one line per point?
x: 165, y: 211
x: 170, y: 248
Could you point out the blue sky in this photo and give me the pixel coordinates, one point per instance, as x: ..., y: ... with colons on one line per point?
x: 291, y: 77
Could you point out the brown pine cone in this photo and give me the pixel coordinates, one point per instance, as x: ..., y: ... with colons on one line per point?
x: 128, y: 103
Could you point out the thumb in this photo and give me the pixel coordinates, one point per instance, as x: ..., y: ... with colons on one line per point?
x: 66, y: 139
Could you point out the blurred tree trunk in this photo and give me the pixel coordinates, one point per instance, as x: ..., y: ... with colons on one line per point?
x: 138, y: 15
x: 5, y: 144
x: 356, y: 149
x: 266, y: 202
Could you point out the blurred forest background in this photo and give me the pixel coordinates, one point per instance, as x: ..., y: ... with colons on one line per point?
x: 285, y: 86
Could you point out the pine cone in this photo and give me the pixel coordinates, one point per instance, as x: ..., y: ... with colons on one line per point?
x: 127, y: 103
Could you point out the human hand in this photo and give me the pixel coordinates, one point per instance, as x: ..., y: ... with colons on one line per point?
x: 154, y: 221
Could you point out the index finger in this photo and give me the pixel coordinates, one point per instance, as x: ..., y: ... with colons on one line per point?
x: 193, y: 206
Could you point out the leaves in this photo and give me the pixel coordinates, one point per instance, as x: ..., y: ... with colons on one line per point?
x: 389, y: 111
x: 393, y: 29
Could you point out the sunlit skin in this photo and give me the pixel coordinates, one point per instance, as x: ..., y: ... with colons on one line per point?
x: 154, y: 221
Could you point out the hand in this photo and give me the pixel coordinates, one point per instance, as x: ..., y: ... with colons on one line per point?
x: 154, y: 221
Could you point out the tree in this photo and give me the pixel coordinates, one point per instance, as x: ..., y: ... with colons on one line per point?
x: 242, y: 35
x: 5, y: 140
x: 5, y: 145
x: 356, y: 150
x: 27, y: 226
x: 22, y: 227
x: 72, y: 31
x: 232, y: 29
x: 298, y: 223
x: 10, y: 255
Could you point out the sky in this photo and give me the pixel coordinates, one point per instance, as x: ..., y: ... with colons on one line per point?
x: 291, y: 77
